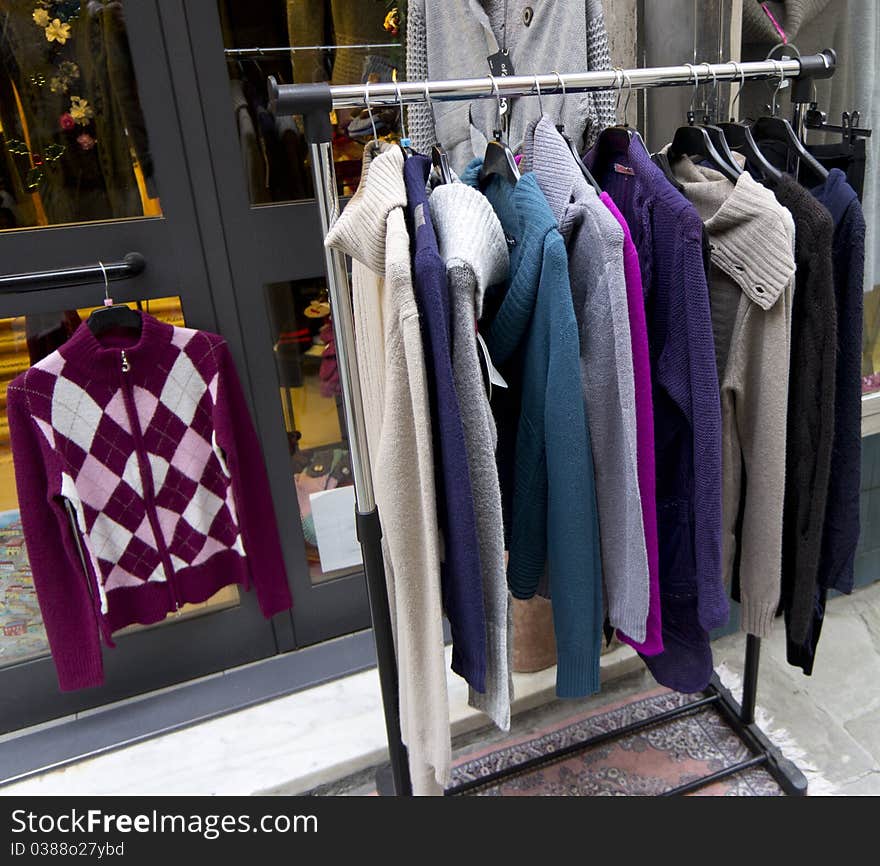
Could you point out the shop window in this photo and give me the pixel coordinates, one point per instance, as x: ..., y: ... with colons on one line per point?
x: 73, y: 144
x: 24, y: 340
x: 311, y: 402
x: 368, y: 35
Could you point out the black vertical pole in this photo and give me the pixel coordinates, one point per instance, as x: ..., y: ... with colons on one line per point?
x: 750, y: 679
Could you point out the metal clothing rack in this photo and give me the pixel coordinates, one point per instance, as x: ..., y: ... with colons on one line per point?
x: 314, y: 102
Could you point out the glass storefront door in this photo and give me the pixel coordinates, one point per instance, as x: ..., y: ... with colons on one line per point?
x: 93, y: 166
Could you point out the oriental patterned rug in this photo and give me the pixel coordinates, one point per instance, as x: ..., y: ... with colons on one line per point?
x: 647, y: 763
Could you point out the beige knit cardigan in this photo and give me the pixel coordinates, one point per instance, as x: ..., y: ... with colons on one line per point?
x: 372, y: 230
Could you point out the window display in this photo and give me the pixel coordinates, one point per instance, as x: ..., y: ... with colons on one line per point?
x: 74, y: 145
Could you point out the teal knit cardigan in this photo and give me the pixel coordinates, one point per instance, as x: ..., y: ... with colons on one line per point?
x: 533, y: 339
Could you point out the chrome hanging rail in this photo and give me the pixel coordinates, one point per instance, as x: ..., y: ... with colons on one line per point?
x: 300, y: 98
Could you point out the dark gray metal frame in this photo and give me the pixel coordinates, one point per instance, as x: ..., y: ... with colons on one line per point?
x: 266, y: 244
x: 181, y: 251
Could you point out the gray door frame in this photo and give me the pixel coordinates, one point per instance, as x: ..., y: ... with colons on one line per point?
x: 266, y: 244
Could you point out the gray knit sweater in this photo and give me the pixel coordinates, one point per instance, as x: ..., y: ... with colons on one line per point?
x: 594, y: 240
x: 751, y: 288
x: 454, y: 38
x: 473, y: 245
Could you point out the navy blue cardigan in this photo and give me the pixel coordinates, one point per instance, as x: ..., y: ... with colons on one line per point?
x: 461, y: 578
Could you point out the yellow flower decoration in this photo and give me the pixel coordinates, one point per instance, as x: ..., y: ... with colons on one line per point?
x: 41, y: 18
x: 80, y: 110
x: 58, y: 32
x: 56, y: 85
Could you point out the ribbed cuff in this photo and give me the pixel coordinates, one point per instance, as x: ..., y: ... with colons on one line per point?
x: 495, y: 701
x: 633, y: 626
x: 757, y: 617
x: 275, y: 600
x: 577, y: 673
x: 80, y: 671
x: 472, y: 671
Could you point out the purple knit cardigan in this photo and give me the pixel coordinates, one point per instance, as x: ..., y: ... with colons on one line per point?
x: 150, y: 440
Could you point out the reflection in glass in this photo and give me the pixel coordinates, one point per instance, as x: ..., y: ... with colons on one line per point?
x: 24, y: 340
x: 311, y: 401
x: 367, y: 44
x: 73, y: 143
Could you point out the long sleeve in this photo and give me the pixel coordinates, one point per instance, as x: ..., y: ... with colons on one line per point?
x: 813, y: 418
x: 250, y: 487
x: 756, y: 403
x: 420, y: 124
x: 572, y: 520
x: 688, y: 372
x: 609, y: 390
x: 404, y: 472
x: 842, y: 520
x: 62, y: 588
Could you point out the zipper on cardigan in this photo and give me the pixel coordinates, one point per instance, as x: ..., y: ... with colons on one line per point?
x: 147, y: 479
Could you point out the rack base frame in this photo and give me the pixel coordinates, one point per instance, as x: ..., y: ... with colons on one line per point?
x: 314, y: 102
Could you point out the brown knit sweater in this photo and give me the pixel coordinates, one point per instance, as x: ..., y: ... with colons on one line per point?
x: 810, y: 403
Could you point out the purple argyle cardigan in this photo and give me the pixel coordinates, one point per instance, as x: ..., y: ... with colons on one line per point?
x: 150, y: 440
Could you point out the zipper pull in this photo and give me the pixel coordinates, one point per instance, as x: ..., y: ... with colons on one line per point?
x: 125, y: 365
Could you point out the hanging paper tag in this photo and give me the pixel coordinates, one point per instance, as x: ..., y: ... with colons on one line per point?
x: 495, y: 378
x: 624, y: 169
x: 500, y: 63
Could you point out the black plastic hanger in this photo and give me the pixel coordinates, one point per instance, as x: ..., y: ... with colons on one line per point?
x: 693, y: 140
x: 779, y: 129
x: 775, y: 128
x: 112, y: 316
x: 439, y: 159
x: 739, y: 137
x: 560, y: 128
x: 498, y: 161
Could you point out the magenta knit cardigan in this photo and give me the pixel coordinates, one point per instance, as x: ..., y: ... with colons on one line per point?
x: 149, y: 438
x: 638, y: 329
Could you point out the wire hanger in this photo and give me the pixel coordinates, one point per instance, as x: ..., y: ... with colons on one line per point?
x: 692, y: 140
x: 111, y: 315
x: 370, y: 113
x: 613, y: 140
x: 405, y: 143
x: 498, y: 160
x: 439, y: 159
x: 560, y: 128
x: 740, y: 139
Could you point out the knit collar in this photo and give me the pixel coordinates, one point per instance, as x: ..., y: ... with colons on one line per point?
x: 360, y: 230
x: 636, y: 165
x: 526, y: 219
x: 835, y: 194
x: 751, y: 237
x: 561, y: 180
x: 470, y: 234
x: 102, y: 354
